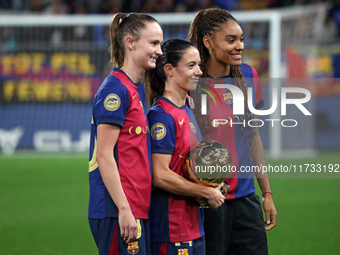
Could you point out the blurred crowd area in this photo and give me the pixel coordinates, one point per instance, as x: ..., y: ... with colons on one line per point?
x: 149, y: 6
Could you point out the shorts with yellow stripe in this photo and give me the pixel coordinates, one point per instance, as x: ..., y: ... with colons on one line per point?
x: 195, y: 247
x: 106, y: 233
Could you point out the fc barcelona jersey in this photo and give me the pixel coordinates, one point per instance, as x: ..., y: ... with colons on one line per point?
x: 173, y: 218
x: 121, y: 102
x: 232, y: 136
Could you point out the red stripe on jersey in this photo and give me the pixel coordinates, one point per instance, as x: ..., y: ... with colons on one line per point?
x: 183, y: 216
x: 164, y: 249
x: 219, y: 134
x: 133, y: 158
x: 114, y: 243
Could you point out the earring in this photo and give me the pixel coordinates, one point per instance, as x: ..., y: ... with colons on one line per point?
x: 209, y: 51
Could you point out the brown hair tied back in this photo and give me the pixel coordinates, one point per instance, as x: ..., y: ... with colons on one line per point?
x: 124, y: 24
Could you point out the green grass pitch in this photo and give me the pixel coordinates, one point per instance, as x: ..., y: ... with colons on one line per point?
x: 44, y: 208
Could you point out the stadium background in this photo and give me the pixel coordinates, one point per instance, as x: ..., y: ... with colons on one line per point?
x: 49, y: 75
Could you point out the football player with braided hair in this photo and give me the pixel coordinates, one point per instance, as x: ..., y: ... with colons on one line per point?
x: 236, y: 227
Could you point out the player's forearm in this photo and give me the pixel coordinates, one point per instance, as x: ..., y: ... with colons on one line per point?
x: 176, y: 184
x: 264, y: 184
x: 259, y: 159
x: 261, y: 176
x: 110, y: 175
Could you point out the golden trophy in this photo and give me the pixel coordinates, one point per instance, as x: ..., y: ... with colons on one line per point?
x: 207, y: 162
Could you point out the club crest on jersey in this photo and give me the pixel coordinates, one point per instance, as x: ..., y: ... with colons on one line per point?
x: 193, y: 128
x: 158, y: 131
x: 133, y: 248
x: 228, y: 98
x: 183, y: 252
x: 112, y: 102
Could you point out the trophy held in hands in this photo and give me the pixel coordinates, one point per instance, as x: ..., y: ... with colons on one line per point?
x: 208, y: 162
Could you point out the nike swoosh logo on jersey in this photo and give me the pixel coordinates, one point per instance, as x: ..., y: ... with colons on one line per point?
x: 181, y: 122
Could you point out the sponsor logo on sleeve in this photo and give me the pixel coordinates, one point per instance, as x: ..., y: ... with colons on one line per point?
x: 158, y: 131
x: 112, y: 102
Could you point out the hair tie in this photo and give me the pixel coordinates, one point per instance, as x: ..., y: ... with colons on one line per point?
x: 125, y: 15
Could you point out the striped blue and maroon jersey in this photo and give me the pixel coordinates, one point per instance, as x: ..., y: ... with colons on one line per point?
x: 173, y: 218
x: 232, y: 136
x: 121, y: 102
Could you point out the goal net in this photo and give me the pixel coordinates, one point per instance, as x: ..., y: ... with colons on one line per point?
x: 52, y: 66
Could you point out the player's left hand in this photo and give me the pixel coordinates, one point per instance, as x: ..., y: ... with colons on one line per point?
x: 270, y: 212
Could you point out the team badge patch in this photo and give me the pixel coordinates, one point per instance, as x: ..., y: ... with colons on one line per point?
x: 133, y: 248
x: 183, y: 252
x: 193, y: 129
x: 158, y: 131
x: 112, y: 102
x: 228, y: 98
